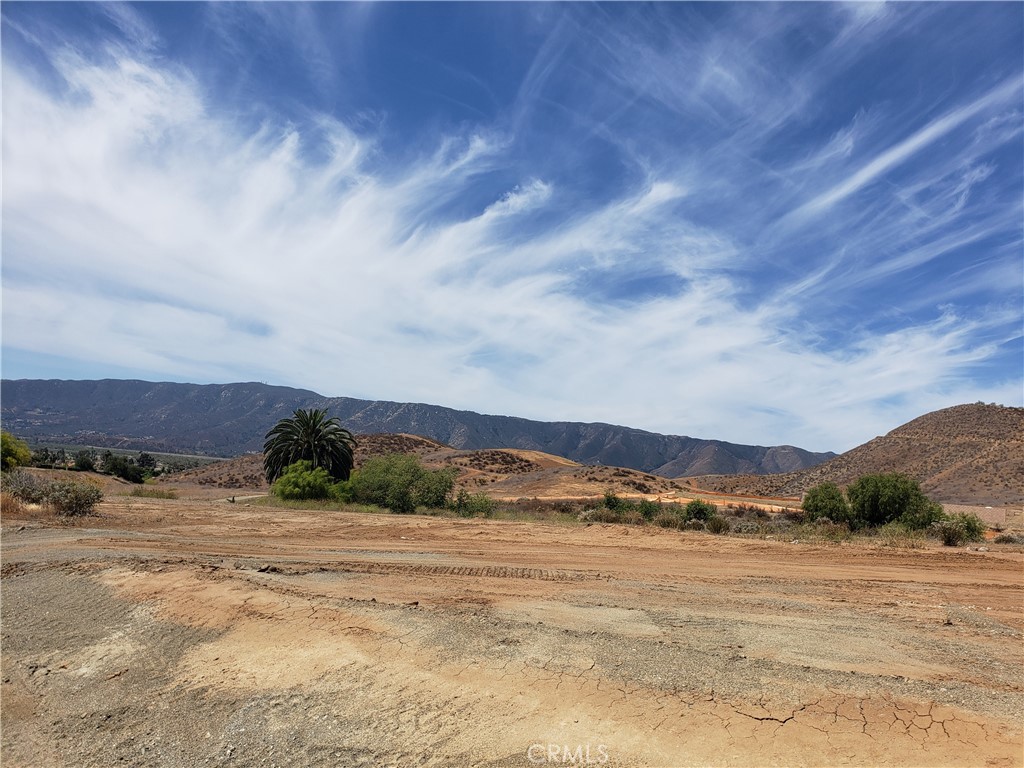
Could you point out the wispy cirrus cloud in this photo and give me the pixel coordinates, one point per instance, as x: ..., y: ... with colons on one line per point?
x: 1006, y: 93
x: 617, y: 244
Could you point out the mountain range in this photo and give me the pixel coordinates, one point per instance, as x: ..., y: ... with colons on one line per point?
x: 232, y: 419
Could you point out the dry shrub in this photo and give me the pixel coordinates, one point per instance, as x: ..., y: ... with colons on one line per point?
x: 605, y: 516
x: 14, y: 508
x: 12, y: 505
x: 147, y: 492
x: 1009, y: 538
x: 667, y: 520
x: 632, y: 517
x: 899, y: 537
x: 718, y: 525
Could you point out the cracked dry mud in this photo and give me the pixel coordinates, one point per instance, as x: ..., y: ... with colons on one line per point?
x: 197, y: 633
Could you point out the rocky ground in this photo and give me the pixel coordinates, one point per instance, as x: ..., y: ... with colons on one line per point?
x: 202, y: 633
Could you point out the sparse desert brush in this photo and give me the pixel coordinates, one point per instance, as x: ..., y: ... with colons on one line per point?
x: 717, y: 525
x: 632, y: 517
x: 566, y: 507
x: 828, y: 531
x: 605, y: 516
x: 693, y: 525
x: 794, y: 516
x: 24, y: 486
x: 960, y: 528
x: 154, y: 493
x: 747, y: 510
x: 746, y: 527
x: 11, y: 505
x: 667, y: 520
x: 72, y: 499
x: 900, y: 537
x: 1008, y: 538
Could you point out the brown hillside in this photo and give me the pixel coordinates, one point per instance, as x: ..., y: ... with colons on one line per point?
x: 967, y: 454
x: 242, y: 473
x: 383, y: 444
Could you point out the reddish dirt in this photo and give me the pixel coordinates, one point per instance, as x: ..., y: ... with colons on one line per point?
x: 198, y: 632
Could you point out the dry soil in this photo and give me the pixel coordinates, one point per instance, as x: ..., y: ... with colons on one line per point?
x: 204, y: 633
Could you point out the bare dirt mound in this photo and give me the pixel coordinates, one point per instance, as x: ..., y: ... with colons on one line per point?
x: 183, y: 633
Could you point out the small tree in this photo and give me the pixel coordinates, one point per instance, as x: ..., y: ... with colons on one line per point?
x: 434, y: 489
x: 123, y: 467
x: 85, y: 461
x: 826, y: 500
x: 878, y: 499
x: 42, y: 458
x: 13, y: 452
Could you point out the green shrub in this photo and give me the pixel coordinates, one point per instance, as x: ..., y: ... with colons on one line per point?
x: 717, y: 525
x: 473, y: 504
x: 825, y: 500
x: 879, y: 499
x: 921, y: 516
x: 300, y: 482
x: 648, y: 509
x: 952, y: 535
x: 71, y: 498
x: 959, y: 528
x: 400, y: 483
x: 698, y: 509
x: 434, y: 488
x: 613, y: 502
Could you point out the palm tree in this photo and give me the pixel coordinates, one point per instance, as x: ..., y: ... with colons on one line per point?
x: 309, y: 436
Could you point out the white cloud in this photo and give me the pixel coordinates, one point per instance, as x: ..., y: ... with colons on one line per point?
x: 899, y: 153
x: 145, y: 230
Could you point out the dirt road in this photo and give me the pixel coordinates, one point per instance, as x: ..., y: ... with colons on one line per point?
x: 199, y: 633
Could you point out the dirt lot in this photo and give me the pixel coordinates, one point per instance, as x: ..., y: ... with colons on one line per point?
x: 203, y: 633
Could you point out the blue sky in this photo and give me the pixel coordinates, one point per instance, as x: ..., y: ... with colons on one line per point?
x: 795, y: 223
